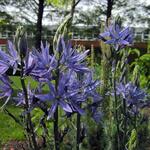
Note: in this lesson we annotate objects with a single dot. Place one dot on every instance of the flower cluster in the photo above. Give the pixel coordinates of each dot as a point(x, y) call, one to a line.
point(134, 97)
point(74, 79)
point(69, 79)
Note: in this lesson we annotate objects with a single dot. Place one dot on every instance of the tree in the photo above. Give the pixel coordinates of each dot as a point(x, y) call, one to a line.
point(5, 18)
point(109, 11)
point(102, 10)
point(65, 26)
point(131, 13)
point(36, 7)
point(32, 12)
point(144, 16)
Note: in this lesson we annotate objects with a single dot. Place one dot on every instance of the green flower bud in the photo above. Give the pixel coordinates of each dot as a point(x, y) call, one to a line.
point(21, 41)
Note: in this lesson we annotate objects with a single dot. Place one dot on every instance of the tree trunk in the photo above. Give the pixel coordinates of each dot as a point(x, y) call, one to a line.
point(109, 11)
point(38, 36)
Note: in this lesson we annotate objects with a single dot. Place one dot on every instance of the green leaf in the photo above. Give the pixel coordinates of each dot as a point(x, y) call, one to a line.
point(134, 51)
point(145, 57)
point(59, 3)
point(132, 143)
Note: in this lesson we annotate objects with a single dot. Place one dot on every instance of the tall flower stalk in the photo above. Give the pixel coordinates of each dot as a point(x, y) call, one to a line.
point(128, 98)
point(60, 72)
point(22, 48)
point(56, 130)
point(118, 38)
point(125, 124)
point(67, 90)
point(116, 104)
point(78, 135)
point(29, 124)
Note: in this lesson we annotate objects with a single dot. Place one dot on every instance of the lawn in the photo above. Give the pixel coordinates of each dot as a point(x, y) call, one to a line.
point(9, 129)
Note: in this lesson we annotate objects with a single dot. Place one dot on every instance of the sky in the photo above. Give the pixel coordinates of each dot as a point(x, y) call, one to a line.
point(144, 1)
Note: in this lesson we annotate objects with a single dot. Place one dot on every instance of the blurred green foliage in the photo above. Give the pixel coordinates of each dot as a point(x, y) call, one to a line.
point(141, 66)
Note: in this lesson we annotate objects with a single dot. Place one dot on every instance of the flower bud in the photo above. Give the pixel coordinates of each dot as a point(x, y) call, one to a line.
point(21, 41)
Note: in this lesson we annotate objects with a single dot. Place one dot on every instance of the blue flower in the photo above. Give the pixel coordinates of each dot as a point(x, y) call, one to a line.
point(5, 88)
point(40, 64)
point(11, 59)
point(57, 96)
point(70, 93)
point(135, 97)
point(95, 112)
point(85, 86)
point(3, 67)
point(71, 58)
point(20, 99)
point(30, 63)
point(117, 36)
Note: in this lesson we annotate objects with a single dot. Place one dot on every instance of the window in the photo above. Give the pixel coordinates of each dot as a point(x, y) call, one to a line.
point(4, 35)
point(3, 47)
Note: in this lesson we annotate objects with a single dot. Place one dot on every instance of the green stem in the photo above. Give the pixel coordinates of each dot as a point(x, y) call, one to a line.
point(125, 125)
point(29, 129)
point(13, 117)
point(78, 131)
point(135, 122)
point(116, 106)
point(56, 132)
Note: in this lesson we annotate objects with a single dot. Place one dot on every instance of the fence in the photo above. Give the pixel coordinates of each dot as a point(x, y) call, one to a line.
point(138, 37)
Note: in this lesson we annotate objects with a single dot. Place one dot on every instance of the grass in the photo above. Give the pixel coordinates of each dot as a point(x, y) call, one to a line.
point(9, 129)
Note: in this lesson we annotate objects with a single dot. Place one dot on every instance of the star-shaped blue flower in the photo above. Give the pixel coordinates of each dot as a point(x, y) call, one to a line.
point(117, 37)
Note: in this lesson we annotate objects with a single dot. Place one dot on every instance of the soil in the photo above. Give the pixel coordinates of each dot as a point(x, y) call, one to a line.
point(15, 145)
point(18, 145)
